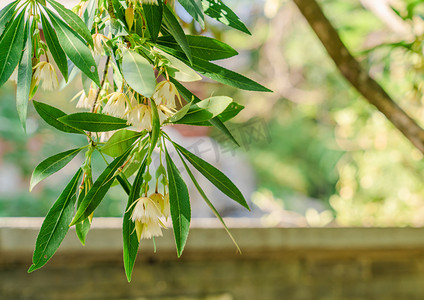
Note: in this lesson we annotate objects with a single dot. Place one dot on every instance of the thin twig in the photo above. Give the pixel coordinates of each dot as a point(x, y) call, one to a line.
point(93, 109)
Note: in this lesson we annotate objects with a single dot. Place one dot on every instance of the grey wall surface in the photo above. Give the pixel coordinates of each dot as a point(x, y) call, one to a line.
point(277, 263)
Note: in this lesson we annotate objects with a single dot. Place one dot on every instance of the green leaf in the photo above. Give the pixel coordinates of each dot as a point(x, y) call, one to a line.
point(75, 22)
point(83, 227)
point(11, 44)
point(180, 114)
point(194, 8)
point(131, 242)
point(208, 202)
point(51, 115)
point(89, 13)
point(93, 122)
point(99, 189)
point(24, 78)
point(206, 109)
point(138, 73)
point(179, 70)
point(120, 142)
point(190, 97)
point(153, 15)
point(6, 15)
point(179, 203)
point(58, 54)
point(218, 73)
point(230, 112)
point(55, 225)
point(82, 230)
point(51, 165)
point(217, 10)
point(222, 182)
point(75, 49)
point(201, 46)
point(154, 135)
point(175, 29)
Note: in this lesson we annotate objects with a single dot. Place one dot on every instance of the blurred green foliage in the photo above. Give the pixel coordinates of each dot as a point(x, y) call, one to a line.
point(328, 144)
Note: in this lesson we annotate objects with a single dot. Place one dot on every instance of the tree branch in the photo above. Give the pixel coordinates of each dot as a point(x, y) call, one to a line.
point(357, 76)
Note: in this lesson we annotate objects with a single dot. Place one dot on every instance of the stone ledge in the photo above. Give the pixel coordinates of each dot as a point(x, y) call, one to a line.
point(207, 235)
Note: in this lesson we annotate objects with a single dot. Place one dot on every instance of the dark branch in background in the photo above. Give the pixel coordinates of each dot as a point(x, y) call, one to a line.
point(357, 76)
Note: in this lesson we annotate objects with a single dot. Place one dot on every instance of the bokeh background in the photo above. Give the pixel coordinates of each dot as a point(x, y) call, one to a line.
point(314, 152)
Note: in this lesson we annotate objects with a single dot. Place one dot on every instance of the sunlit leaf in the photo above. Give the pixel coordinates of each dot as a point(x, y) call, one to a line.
point(138, 73)
point(24, 78)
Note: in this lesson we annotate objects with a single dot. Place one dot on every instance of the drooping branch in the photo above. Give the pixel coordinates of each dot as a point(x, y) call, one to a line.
point(357, 75)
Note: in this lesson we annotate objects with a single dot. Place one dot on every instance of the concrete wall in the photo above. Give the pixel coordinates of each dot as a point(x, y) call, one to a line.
point(277, 263)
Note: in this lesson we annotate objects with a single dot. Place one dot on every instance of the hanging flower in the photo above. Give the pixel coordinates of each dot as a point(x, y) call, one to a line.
point(86, 101)
point(162, 202)
point(44, 71)
point(146, 216)
point(165, 93)
point(164, 113)
point(116, 105)
point(140, 116)
point(99, 41)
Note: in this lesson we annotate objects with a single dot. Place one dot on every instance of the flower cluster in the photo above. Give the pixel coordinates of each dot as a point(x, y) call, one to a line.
point(137, 113)
point(147, 215)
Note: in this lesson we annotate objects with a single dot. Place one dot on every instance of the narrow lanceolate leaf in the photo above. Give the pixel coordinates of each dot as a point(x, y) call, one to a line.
point(180, 205)
point(89, 13)
point(201, 47)
point(194, 8)
point(222, 182)
point(153, 15)
point(218, 73)
point(93, 122)
point(58, 54)
point(11, 44)
point(6, 15)
point(24, 78)
point(129, 235)
point(51, 165)
point(55, 225)
point(175, 29)
point(138, 73)
point(180, 114)
point(120, 142)
point(190, 97)
point(208, 202)
point(179, 70)
point(206, 109)
point(154, 135)
point(75, 49)
point(82, 228)
point(217, 10)
point(51, 115)
point(75, 22)
point(99, 189)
